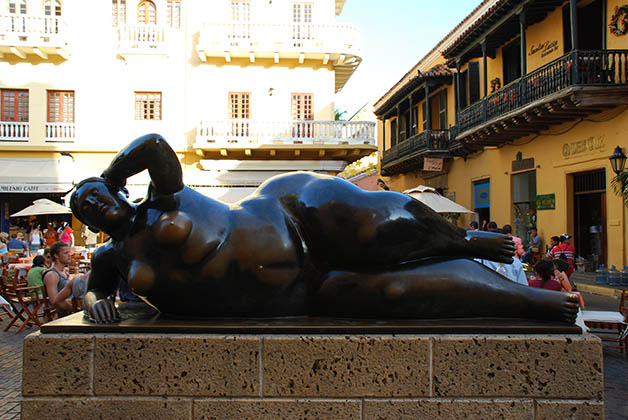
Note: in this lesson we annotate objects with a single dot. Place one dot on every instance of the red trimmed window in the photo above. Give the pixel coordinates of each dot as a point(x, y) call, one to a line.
point(302, 106)
point(239, 105)
point(60, 106)
point(14, 104)
point(148, 105)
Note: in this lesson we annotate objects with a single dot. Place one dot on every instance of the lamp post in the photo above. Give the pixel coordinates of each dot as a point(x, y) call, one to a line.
point(618, 162)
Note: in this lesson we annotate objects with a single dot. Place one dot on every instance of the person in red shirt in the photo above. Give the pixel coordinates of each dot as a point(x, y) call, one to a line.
point(564, 250)
point(544, 279)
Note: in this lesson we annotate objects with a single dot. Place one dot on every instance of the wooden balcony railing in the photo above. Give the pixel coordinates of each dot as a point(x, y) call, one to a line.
point(247, 133)
point(13, 131)
point(425, 141)
point(591, 68)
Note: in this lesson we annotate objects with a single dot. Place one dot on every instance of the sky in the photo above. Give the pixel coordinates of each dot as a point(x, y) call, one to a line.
point(395, 35)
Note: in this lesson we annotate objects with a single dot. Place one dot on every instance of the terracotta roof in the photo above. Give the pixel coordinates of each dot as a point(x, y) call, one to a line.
point(436, 72)
point(408, 76)
point(480, 20)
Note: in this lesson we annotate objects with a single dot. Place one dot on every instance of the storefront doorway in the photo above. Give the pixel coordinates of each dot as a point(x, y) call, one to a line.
point(590, 217)
point(524, 204)
point(482, 201)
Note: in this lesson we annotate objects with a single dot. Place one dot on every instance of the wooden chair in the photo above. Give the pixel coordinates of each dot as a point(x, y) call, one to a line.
point(25, 301)
point(612, 331)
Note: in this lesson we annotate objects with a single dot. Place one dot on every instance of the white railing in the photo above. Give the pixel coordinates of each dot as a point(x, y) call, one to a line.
point(142, 36)
point(60, 131)
point(27, 29)
point(302, 37)
point(14, 131)
point(242, 133)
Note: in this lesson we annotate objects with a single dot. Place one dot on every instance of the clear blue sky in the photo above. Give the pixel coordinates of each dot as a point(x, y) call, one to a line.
point(395, 35)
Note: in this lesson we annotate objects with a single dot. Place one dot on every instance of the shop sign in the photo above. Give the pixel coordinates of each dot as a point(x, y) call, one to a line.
point(522, 164)
point(34, 188)
point(590, 144)
point(433, 164)
point(545, 48)
point(546, 202)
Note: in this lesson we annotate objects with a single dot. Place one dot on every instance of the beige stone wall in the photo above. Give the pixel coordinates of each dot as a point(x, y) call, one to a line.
point(132, 376)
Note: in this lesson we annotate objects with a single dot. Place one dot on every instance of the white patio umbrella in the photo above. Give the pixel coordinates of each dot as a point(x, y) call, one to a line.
point(432, 199)
point(42, 206)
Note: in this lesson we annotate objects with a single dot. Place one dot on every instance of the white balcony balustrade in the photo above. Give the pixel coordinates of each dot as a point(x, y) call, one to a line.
point(60, 132)
point(142, 39)
point(337, 45)
point(22, 35)
point(13, 131)
point(250, 133)
point(277, 37)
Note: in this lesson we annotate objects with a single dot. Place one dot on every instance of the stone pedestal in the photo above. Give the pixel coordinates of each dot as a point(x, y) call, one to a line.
point(363, 377)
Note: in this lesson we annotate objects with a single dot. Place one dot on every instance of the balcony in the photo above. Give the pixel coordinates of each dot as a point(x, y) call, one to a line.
point(142, 39)
point(337, 45)
point(60, 132)
point(409, 154)
point(576, 85)
point(13, 131)
point(286, 139)
point(26, 35)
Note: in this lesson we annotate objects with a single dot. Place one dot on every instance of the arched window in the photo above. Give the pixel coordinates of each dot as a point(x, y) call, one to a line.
point(52, 7)
point(146, 12)
point(17, 6)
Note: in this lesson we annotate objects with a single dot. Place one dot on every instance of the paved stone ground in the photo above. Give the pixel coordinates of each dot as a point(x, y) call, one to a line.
point(615, 377)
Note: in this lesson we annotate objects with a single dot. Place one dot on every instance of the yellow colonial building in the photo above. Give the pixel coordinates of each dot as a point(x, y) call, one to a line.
point(242, 90)
point(514, 114)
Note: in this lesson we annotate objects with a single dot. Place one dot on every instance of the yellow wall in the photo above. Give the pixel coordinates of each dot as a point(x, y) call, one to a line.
point(614, 42)
point(545, 40)
point(553, 169)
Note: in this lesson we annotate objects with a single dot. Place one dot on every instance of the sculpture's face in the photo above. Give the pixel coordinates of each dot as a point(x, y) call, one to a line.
point(103, 207)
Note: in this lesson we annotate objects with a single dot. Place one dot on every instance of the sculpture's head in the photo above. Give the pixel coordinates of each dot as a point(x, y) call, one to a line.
point(102, 206)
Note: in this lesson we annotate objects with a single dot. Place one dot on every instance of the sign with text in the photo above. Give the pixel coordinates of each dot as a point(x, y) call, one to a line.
point(522, 164)
point(546, 202)
point(590, 144)
point(35, 188)
point(433, 164)
point(545, 48)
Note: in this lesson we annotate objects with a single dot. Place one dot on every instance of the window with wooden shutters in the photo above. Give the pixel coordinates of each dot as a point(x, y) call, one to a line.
point(173, 11)
point(148, 105)
point(302, 106)
point(240, 10)
point(60, 106)
point(146, 13)
point(424, 115)
point(52, 8)
point(463, 94)
point(118, 12)
point(239, 105)
point(442, 109)
point(14, 105)
point(17, 6)
point(474, 82)
point(393, 133)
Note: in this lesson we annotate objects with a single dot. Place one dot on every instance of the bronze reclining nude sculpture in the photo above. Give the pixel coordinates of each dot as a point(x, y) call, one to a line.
point(302, 244)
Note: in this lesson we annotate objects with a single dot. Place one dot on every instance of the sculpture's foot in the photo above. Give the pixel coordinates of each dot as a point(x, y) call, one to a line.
point(490, 246)
point(562, 307)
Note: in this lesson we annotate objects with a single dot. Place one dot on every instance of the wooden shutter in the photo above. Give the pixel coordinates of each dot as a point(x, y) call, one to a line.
point(118, 12)
point(148, 105)
point(14, 105)
point(442, 109)
point(474, 82)
point(173, 9)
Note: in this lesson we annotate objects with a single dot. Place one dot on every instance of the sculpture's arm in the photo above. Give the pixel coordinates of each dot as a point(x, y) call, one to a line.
point(150, 152)
point(103, 282)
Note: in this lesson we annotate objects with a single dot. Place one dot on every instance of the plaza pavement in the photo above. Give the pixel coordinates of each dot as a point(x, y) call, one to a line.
point(615, 377)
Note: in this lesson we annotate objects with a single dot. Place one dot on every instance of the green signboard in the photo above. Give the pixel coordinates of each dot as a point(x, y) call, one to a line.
point(546, 202)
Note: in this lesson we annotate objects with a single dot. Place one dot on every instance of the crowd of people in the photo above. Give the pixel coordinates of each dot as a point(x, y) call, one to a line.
point(35, 238)
point(551, 270)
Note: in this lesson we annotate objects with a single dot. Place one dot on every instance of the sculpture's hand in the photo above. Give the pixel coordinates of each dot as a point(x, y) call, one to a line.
point(103, 311)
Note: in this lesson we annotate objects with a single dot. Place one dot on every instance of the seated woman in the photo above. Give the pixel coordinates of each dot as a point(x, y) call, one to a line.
point(283, 250)
point(543, 271)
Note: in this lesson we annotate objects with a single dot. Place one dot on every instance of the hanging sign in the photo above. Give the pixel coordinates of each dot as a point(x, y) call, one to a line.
point(433, 164)
point(546, 202)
